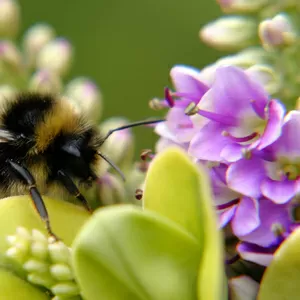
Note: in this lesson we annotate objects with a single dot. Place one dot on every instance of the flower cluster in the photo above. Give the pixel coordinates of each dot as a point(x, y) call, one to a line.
point(250, 147)
point(265, 35)
point(47, 263)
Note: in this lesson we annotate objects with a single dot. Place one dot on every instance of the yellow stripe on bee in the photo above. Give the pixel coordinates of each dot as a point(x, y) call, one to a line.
point(60, 118)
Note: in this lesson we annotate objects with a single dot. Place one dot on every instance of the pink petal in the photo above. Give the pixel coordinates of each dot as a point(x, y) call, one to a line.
point(232, 152)
point(245, 176)
point(180, 125)
point(226, 215)
point(185, 81)
point(288, 145)
point(208, 142)
point(246, 217)
point(279, 191)
point(234, 92)
point(274, 124)
point(255, 254)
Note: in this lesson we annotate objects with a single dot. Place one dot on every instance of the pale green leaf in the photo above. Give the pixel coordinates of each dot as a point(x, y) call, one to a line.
point(281, 280)
point(14, 288)
point(65, 218)
point(173, 189)
point(125, 253)
point(179, 190)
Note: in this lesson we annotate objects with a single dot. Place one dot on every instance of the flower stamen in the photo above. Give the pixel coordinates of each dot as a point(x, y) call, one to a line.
point(168, 97)
point(225, 120)
point(246, 138)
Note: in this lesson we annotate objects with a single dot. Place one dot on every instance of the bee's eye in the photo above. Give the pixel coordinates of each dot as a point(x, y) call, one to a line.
point(71, 149)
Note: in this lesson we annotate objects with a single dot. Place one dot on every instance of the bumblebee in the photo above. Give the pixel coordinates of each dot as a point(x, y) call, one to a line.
point(46, 146)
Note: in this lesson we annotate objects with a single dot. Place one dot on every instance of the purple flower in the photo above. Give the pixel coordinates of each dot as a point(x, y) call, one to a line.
point(240, 117)
point(179, 127)
point(249, 148)
point(274, 172)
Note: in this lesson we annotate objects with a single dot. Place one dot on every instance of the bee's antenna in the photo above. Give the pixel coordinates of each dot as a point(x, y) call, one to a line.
point(138, 123)
point(111, 164)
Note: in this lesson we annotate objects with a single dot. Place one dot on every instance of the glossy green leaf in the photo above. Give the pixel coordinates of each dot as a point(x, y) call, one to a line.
point(66, 218)
point(282, 278)
point(14, 288)
point(123, 252)
point(179, 190)
point(172, 189)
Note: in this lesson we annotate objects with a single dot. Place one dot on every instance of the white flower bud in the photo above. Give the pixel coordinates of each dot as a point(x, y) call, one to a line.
point(277, 32)
point(10, 58)
point(242, 6)
point(9, 18)
point(38, 236)
point(43, 279)
point(61, 272)
point(65, 289)
point(120, 145)
point(7, 92)
point(267, 76)
point(34, 265)
point(86, 97)
point(35, 38)
point(230, 33)
point(111, 189)
point(59, 252)
point(45, 81)
point(39, 250)
point(56, 56)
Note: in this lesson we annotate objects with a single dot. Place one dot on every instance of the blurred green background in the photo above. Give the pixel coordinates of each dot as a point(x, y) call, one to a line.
point(128, 47)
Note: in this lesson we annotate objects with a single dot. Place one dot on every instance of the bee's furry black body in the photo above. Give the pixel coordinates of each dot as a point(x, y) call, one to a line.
point(45, 135)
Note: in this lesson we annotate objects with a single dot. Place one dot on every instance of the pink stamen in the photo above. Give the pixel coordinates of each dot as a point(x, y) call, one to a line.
point(242, 139)
point(186, 95)
point(225, 120)
point(169, 98)
point(185, 126)
point(228, 204)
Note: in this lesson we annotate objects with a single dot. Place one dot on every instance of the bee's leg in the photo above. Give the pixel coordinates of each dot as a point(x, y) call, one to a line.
point(71, 187)
point(34, 193)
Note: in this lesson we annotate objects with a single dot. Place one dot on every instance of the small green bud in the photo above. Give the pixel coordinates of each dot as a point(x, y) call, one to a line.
point(111, 189)
point(61, 272)
point(10, 58)
point(7, 92)
point(86, 97)
point(39, 250)
point(45, 81)
point(267, 76)
point(9, 18)
point(65, 289)
point(245, 58)
point(230, 33)
point(120, 144)
point(277, 32)
point(16, 254)
point(243, 287)
point(38, 236)
point(43, 279)
point(242, 6)
point(35, 38)
point(59, 252)
point(34, 265)
point(56, 56)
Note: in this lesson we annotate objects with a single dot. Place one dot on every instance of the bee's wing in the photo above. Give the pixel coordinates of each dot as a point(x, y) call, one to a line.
point(6, 136)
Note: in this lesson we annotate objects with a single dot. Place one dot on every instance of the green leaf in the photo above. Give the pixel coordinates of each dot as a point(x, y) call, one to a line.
point(65, 218)
point(282, 278)
point(173, 189)
point(180, 191)
point(13, 288)
point(125, 253)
